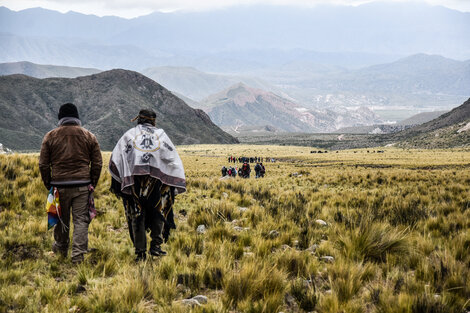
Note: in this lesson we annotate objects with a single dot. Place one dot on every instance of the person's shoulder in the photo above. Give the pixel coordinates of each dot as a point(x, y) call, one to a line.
point(85, 132)
point(50, 134)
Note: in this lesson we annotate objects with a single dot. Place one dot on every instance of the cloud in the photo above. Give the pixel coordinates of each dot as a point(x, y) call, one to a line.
point(126, 8)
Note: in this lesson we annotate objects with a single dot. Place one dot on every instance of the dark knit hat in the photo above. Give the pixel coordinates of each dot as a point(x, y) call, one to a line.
point(68, 110)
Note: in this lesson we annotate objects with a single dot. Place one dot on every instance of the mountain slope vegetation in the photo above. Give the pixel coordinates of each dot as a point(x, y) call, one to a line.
point(106, 102)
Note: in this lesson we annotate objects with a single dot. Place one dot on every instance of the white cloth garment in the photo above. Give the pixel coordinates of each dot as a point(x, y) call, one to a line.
point(147, 150)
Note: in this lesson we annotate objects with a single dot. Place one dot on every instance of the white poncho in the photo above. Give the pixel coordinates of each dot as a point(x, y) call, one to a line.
point(146, 150)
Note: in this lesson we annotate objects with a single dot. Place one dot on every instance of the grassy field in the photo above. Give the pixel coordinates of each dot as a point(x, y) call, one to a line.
point(394, 236)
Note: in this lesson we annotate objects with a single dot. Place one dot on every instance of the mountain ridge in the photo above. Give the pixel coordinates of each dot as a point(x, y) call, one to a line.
point(106, 101)
point(44, 70)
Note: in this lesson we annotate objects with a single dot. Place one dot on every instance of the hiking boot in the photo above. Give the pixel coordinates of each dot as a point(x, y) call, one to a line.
point(157, 252)
point(76, 260)
point(140, 257)
point(58, 251)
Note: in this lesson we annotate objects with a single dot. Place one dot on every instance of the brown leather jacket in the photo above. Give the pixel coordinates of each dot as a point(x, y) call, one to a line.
point(70, 156)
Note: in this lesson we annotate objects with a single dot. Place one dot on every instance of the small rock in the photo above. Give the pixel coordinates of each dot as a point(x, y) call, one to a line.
point(238, 228)
point(285, 247)
point(327, 258)
point(312, 249)
point(328, 291)
point(201, 229)
point(74, 309)
point(248, 254)
point(295, 243)
point(201, 299)
point(242, 209)
point(295, 174)
point(273, 234)
point(321, 222)
point(225, 195)
point(190, 302)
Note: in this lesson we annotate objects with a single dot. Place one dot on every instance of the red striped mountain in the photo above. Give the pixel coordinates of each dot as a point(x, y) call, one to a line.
point(241, 105)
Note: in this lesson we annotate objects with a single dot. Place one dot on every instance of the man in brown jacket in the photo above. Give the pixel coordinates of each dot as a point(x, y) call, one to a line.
point(70, 160)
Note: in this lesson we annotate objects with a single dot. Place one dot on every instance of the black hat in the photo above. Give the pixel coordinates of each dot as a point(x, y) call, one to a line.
point(147, 113)
point(68, 110)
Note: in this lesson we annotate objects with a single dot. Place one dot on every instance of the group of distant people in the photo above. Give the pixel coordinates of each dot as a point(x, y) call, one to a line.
point(232, 159)
point(244, 170)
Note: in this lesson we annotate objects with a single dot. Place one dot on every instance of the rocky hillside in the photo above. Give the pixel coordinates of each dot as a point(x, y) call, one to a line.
point(448, 130)
point(241, 105)
point(458, 115)
point(106, 102)
point(44, 71)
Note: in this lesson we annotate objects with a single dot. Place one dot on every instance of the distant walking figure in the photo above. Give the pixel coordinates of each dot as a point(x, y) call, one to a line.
point(262, 171)
point(257, 170)
point(70, 163)
point(147, 173)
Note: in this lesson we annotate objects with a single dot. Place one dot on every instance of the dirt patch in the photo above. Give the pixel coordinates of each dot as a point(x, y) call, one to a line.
point(374, 165)
point(21, 251)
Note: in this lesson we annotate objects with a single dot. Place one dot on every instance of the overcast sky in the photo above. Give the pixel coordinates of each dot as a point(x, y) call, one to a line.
point(133, 8)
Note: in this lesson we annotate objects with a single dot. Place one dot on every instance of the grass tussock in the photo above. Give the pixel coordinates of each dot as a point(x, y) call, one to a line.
point(393, 237)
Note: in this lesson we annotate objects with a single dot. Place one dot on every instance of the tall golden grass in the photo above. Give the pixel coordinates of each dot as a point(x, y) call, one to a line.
point(398, 232)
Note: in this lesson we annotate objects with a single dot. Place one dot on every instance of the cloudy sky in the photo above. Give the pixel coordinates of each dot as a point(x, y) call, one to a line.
point(133, 8)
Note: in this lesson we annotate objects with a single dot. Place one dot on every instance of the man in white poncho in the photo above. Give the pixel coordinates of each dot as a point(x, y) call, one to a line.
point(147, 173)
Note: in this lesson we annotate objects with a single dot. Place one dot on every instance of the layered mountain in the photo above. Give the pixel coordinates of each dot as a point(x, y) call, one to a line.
point(106, 102)
point(241, 105)
point(419, 81)
point(319, 60)
point(44, 71)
